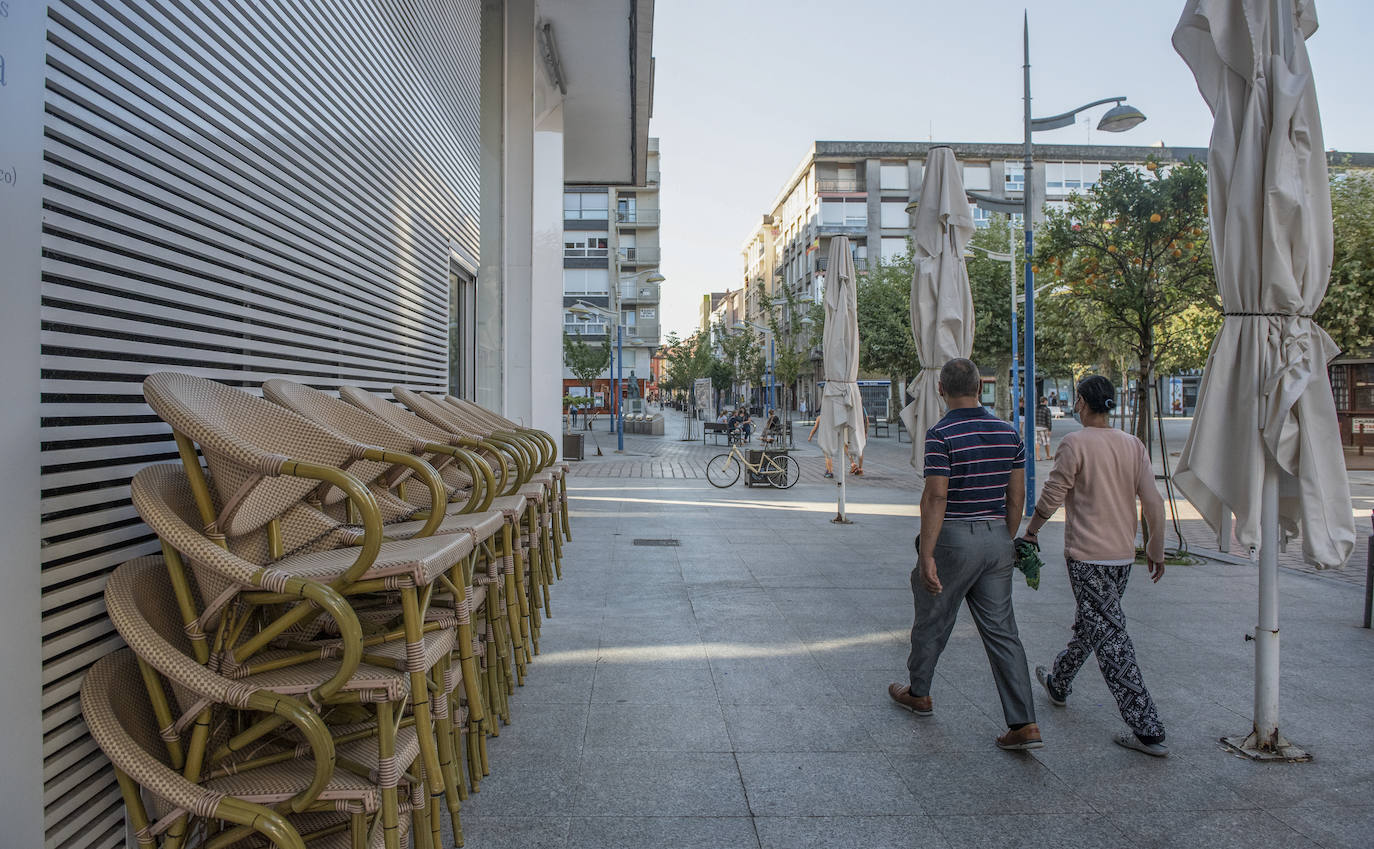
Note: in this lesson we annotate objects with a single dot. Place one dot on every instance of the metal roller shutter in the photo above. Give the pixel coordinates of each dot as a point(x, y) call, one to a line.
point(241, 191)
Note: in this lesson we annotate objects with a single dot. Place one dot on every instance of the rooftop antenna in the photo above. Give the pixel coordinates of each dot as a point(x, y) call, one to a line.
point(930, 131)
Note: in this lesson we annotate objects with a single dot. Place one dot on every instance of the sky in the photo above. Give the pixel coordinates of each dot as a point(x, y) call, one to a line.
point(743, 87)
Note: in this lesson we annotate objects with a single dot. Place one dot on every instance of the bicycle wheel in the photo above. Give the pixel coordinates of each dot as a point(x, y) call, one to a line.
point(786, 474)
point(722, 470)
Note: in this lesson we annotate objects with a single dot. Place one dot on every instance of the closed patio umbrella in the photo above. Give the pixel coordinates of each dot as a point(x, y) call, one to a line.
point(1264, 444)
point(941, 303)
point(841, 406)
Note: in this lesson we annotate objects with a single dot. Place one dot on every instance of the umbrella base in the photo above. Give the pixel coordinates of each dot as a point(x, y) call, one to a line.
point(840, 520)
point(1257, 750)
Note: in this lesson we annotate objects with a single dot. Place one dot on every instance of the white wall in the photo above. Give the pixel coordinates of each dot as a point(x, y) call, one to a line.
point(21, 158)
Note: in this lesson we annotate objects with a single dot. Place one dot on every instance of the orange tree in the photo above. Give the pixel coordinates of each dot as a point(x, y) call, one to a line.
point(1135, 269)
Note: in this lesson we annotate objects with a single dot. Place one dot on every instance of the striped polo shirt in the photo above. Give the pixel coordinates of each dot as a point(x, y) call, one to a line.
point(976, 451)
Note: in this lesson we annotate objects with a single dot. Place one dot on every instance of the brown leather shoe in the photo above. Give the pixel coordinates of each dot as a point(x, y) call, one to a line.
point(919, 705)
point(1025, 737)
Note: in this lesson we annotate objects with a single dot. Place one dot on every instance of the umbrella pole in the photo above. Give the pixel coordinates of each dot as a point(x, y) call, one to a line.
point(840, 518)
point(1265, 742)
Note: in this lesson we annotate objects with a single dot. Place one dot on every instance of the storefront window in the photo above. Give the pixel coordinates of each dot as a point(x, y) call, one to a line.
point(1362, 381)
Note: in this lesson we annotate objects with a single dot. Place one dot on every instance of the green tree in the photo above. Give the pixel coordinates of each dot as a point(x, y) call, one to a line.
point(586, 362)
point(1134, 267)
point(990, 284)
point(788, 324)
point(883, 305)
point(1346, 313)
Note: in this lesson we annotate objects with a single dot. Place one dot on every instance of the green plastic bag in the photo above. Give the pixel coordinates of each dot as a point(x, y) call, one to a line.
point(1029, 562)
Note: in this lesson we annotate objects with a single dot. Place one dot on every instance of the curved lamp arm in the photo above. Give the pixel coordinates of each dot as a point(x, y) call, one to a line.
point(1064, 119)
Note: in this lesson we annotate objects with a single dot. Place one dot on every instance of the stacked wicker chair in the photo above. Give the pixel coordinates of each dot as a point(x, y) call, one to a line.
point(348, 593)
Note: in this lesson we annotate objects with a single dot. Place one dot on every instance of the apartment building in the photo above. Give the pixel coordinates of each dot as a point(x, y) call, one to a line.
point(611, 268)
point(861, 190)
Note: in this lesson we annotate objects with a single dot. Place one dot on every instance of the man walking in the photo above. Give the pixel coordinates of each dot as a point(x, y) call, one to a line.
point(1043, 422)
point(970, 512)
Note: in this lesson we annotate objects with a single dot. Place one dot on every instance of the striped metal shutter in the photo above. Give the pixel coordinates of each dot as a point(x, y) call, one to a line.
point(241, 191)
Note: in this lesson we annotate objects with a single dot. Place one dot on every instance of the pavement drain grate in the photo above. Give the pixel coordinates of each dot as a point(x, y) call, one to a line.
point(659, 542)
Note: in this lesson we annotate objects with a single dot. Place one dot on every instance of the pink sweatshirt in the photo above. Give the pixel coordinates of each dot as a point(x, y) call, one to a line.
point(1098, 474)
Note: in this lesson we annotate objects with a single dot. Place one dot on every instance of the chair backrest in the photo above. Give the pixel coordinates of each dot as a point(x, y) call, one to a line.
point(412, 425)
point(437, 414)
point(245, 441)
point(164, 499)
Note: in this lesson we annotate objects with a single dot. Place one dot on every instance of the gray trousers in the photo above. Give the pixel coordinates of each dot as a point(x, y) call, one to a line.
point(974, 562)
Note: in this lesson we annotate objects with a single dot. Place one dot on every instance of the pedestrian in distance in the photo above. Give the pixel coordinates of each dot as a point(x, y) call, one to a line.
point(1098, 476)
point(1043, 423)
point(970, 512)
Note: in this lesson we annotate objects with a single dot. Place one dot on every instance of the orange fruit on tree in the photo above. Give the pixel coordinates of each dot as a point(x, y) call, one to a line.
point(1111, 249)
point(1155, 218)
point(1151, 166)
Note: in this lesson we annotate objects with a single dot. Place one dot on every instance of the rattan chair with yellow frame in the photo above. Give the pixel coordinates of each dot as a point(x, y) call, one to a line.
point(305, 767)
point(269, 477)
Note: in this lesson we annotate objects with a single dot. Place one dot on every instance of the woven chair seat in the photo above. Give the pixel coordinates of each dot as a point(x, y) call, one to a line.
point(306, 823)
point(419, 560)
point(279, 782)
point(371, 683)
point(367, 752)
point(535, 492)
point(510, 505)
point(546, 477)
point(482, 526)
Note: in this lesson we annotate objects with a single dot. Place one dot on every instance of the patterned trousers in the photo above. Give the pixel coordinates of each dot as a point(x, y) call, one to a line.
point(1099, 627)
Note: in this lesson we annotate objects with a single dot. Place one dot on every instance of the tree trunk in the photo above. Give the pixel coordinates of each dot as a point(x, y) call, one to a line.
point(1002, 405)
point(1142, 399)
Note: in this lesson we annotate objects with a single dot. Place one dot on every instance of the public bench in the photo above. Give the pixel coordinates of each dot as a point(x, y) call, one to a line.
point(716, 430)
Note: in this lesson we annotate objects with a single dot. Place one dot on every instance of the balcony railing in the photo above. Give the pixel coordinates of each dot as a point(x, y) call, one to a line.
point(651, 177)
point(836, 186)
point(849, 227)
point(585, 328)
point(638, 292)
point(637, 217)
point(638, 256)
point(586, 253)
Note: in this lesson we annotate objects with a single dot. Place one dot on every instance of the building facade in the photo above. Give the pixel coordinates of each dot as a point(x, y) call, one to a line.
point(861, 190)
point(611, 268)
point(338, 193)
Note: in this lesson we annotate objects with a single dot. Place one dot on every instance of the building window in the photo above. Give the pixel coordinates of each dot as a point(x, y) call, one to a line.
point(582, 245)
point(1362, 378)
point(648, 313)
point(982, 219)
point(585, 206)
point(586, 281)
point(1340, 386)
point(893, 248)
point(851, 212)
point(894, 215)
point(893, 177)
point(978, 177)
point(1015, 176)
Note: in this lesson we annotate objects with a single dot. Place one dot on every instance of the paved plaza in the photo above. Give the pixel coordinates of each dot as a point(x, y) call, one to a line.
point(726, 687)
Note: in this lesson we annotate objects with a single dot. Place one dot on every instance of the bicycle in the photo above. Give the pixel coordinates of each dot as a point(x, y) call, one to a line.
point(777, 470)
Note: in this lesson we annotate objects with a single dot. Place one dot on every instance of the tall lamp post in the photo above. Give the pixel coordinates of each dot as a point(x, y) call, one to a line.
point(1118, 119)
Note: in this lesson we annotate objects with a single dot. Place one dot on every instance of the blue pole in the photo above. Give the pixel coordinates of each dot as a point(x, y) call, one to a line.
point(620, 387)
point(1028, 192)
point(1015, 354)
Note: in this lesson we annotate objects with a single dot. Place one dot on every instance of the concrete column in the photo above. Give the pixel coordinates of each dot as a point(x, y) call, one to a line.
point(518, 204)
point(546, 320)
point(22, 44)
point(490, 304)
point(873, 181)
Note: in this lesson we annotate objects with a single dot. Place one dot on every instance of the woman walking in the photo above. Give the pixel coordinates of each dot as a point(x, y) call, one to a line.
point(1098, 474)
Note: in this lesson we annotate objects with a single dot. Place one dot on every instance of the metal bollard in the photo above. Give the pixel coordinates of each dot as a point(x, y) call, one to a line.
point(1369, 578)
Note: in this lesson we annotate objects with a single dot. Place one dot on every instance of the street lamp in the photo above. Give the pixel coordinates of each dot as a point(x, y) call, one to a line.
point(1118, 119)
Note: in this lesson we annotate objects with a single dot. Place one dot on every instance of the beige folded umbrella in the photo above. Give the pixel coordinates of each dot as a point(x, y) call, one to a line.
point(941, 302)
point(1264, 444)
point(842, 423)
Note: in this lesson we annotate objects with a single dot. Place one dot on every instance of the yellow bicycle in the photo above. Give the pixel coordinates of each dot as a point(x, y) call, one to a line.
point(777, 470)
